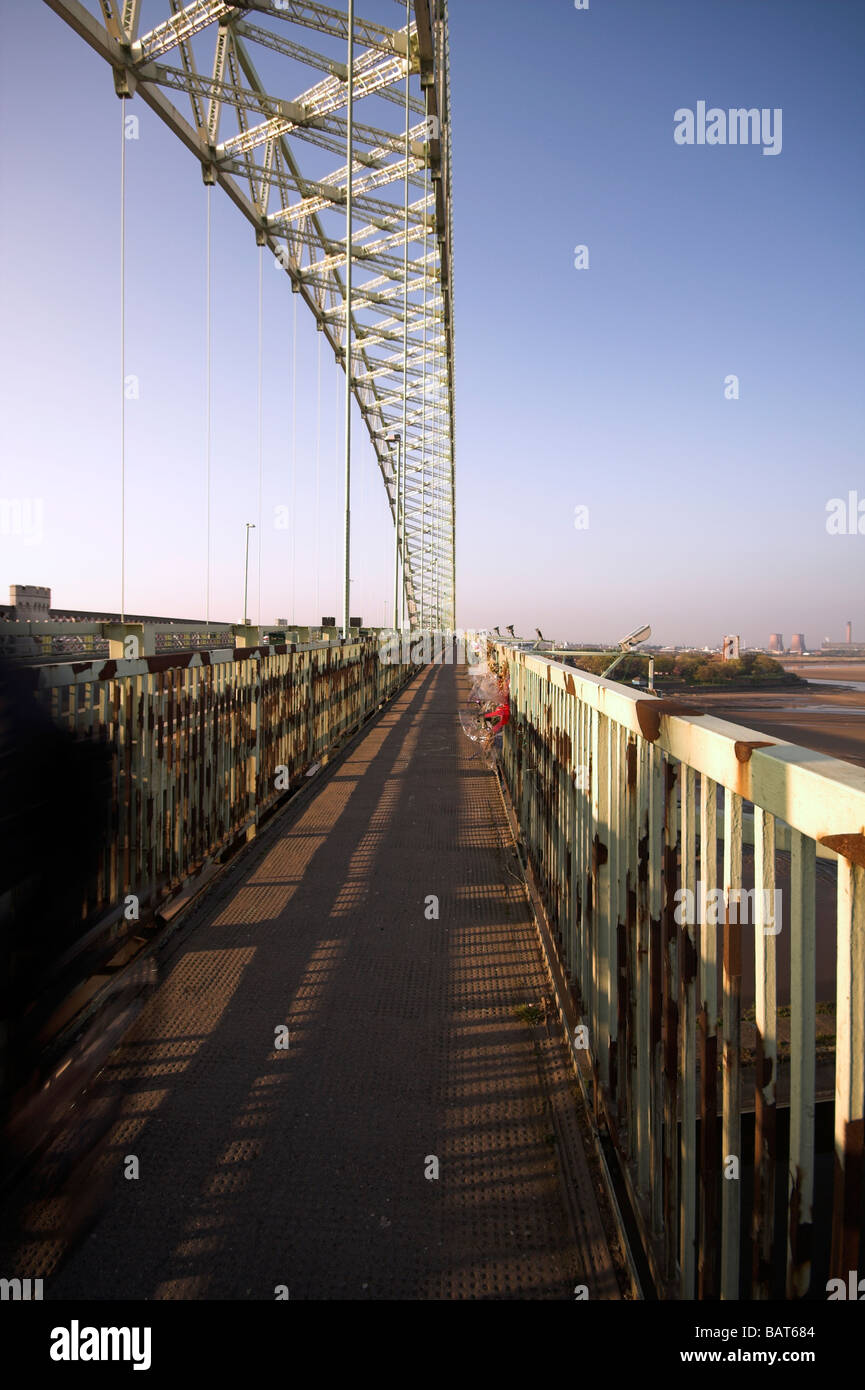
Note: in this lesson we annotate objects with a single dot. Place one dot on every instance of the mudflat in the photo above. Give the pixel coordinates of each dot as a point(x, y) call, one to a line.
point(826, 718)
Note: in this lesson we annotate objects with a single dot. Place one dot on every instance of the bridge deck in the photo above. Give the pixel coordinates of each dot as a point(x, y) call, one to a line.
point(305, 1167)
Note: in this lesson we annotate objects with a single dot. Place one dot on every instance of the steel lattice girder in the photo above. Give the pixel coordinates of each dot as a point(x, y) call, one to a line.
point(244, 137)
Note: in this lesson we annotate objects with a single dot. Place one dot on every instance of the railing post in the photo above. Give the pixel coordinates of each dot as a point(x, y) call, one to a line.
point(628, 983)
point(688, 1006)
point(574, 794)
point(312, 658)
point(803, 971)
point(656, 975)
point(642, 1039)
point(766, 1051)
point(254, 665)
point(671, 1022)
point(618, 1062)
point(708, 1035)
point(849, 1069)
point(731, 1200)
point(600, 915)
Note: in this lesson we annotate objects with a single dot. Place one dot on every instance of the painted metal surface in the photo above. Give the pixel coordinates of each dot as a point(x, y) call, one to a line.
point(627, 806)
point(357, 215)
point(206, 744)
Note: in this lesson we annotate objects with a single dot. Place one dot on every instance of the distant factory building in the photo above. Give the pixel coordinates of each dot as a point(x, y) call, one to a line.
point(730, 648)
point(776, 642)
point(797, 645)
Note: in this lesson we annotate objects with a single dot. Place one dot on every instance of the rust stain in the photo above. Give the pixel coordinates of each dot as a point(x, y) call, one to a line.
point(670, 774)
point(732, 949)
point(671, 1041)
point(631, 755)
point(764, 1172)
point(850, 847)
point(169, 661)
point(643, 858)
point(649, 715)
point(847, 1196)
point(599, 855)
point(649, 719)
point(744, 750)
point(709, 1246)
point(655, 982)
point(689, 955)
point(570, 687)
point(801, 1237)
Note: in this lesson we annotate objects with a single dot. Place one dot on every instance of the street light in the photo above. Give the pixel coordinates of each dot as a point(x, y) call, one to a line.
point(628, 645)
point(250, 526)
point(396, 438)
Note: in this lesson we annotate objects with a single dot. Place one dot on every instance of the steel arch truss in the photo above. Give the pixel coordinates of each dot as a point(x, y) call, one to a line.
point(282, 161)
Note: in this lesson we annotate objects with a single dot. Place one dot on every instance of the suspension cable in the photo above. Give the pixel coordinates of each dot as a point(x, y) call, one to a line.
point(318, 488)
point(336, 455)
point(123, 359)
point(349, 195)
point(402, 508)
point(293, 456)
point(208, 430)
point(423, 418)
point(260, 417)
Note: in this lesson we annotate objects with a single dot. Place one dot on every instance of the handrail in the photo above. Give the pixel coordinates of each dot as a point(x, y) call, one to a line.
point(206, 744)
point(631, 810)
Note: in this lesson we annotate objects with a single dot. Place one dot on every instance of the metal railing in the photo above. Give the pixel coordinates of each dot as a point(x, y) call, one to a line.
point(205, 745)
point(40, 641)
point(634, 812)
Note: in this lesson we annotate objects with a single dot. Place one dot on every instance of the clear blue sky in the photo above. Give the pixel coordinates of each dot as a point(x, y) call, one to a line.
point(601, 388)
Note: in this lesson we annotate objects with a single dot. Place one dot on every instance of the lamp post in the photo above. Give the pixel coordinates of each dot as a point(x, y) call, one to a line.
point(250, 526)
point(349, 195)
point(397, 440)
point(627, 646)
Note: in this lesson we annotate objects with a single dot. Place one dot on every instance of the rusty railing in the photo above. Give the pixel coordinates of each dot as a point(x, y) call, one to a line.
point(652, 832)
point(206, 744)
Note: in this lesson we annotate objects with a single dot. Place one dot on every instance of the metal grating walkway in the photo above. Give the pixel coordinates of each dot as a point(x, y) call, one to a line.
point(408, 1040)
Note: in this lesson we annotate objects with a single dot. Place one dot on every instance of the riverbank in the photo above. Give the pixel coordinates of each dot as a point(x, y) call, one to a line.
point(826, 718)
